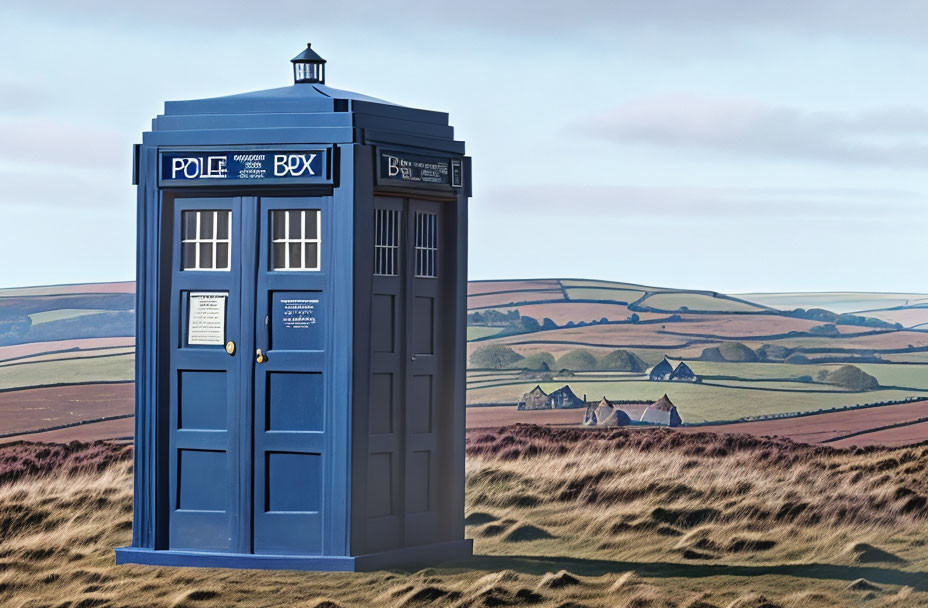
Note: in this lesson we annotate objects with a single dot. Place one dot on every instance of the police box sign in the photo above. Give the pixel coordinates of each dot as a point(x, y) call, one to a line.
point(227, 167)
point(418, 170)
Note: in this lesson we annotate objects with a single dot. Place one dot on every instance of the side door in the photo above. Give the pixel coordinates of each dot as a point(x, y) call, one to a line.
point(424, 378)
point(205, 369)
point(292, 380)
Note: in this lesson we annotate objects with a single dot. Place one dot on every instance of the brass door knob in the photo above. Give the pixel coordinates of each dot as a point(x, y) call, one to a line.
point(260, 357)
point(230, 347)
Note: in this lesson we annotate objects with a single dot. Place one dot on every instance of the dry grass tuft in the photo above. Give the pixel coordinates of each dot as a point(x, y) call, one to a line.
point(572, 519)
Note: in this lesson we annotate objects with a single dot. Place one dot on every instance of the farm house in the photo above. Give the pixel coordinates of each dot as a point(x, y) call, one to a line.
point(662, 412)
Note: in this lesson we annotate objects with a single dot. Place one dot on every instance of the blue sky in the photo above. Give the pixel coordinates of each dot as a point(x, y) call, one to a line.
point(762, 146)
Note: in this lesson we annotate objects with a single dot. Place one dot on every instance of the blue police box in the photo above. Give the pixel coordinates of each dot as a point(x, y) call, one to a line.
point(302, 263)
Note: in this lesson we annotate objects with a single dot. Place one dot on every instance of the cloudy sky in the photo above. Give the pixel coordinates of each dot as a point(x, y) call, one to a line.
point(718, 144)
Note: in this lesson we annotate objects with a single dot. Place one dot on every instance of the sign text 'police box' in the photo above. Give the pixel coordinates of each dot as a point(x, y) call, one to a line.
point(241, 167)
point(418, 170)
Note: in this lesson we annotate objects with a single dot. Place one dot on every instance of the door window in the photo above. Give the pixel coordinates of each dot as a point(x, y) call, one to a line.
point(426, 245)
point(206, 240)
point(386, 242)
point(296, 239)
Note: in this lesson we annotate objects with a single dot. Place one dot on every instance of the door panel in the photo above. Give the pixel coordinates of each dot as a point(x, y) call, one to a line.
point(385, 499)
point(424, 377)
point(205, 393)
point(291, 387)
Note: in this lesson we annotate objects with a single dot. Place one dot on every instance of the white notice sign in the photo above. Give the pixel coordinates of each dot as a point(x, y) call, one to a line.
point(207, 318)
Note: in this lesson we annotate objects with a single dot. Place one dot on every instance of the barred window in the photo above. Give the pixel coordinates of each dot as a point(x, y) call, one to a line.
point(386, 242)
point(296, 239)
point(205, 240)
point(426, 245)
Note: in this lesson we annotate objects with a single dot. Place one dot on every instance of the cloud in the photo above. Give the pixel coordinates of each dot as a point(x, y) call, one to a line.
point(708, 204)
point(47, 143)
point(23, 98)
point(889, 136)
point(901, 19)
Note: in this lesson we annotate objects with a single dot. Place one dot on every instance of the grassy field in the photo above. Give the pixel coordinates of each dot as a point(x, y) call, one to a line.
point(62, 313)
point(68, 371)
point(732, 388)
point(726, 400)
point(560, 519)
point(477, 332)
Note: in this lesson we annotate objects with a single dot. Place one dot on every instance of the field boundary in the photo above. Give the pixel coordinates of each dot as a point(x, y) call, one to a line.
point(66, 426)
point(61, 384)
point(877, 429)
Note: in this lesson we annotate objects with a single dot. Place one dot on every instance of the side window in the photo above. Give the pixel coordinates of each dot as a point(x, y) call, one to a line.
point(386, 242)
point(296, 239)
point(205, 240)
point(426, 245)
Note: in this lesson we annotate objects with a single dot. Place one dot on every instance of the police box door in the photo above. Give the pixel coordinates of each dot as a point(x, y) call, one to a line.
point(292, 379)
point(248, 381)
point(204, 457)
point(409, 378)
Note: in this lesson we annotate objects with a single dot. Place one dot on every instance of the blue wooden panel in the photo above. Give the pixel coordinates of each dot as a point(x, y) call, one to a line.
point(295, 401)
point(293, 390)
point(202, 480)
point(380, 484)
point(294, 482)
point(297, 320)
point(382, 405)
point(203, 400)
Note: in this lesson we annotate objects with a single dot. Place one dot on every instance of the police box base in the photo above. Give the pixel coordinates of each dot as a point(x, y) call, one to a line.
point(423, 555)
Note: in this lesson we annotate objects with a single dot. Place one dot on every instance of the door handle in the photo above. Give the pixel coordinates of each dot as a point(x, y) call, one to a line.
point(230, 347)
point(260, 357)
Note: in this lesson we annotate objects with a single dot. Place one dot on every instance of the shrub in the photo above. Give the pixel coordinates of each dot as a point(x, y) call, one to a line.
point(736, 351)
point(797, 359)
point(853, 378)
point(540, 361)
point(622, 360)
point(711, 354)
point(824, 330)
point(577, 359)
point(494, 356)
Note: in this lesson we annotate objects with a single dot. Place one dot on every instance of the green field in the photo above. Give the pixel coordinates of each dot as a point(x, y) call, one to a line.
point(475, 332)
point(604, 294)
point(61, 313)
point(696, 301)
point(68, 371)
point(701, 402)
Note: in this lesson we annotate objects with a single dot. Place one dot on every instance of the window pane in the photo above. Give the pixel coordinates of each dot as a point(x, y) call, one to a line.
point(312, 256)
point(294, 224)
point(222, 255)
point(206, 224)
point(222, 228)
point(312, 219)
point(295, 256)
point(189, 256)
point(277, 219)
point(280, 256)
point(206, 256)
point(190, 224)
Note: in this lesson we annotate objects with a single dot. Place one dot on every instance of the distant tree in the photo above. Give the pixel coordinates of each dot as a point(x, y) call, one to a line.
point(529, 324)
point(547, 323)
point(577, 360)
point(622, 360)
point(736, 351)
point(633, 318)
point(494, 356)
point(853, 378)
point(797, 359)
point(822, 375)
point(711, 354)
point(540, 361)
point(475, 318)
point(604, 320)
point(828, 329)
